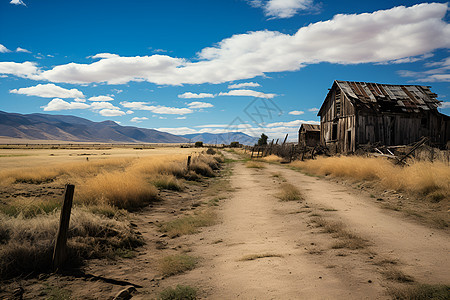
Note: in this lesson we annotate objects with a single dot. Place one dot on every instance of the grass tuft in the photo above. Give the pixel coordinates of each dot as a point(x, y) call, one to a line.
point(289, 193)
point(421, 292)
point(176, 264)
point(188, 224)
point(181, 292)
point(167, 182)
point(254, 165)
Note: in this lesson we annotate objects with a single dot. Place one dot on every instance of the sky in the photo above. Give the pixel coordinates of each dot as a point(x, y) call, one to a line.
point(261, 66)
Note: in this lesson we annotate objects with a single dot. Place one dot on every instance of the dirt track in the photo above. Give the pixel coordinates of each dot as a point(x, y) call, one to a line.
point(254, 221)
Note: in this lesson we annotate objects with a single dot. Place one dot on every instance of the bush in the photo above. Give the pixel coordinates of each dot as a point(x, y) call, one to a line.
point(198, 144)
point(181, 292)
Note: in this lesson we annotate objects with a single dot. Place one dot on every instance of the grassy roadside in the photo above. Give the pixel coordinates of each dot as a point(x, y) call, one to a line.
point(100, 225)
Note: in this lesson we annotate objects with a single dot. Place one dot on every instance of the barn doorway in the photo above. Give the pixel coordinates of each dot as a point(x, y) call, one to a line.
point(349, 141)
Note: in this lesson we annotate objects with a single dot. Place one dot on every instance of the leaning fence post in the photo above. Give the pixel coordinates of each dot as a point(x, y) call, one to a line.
point(189, 163)
point(60, 251)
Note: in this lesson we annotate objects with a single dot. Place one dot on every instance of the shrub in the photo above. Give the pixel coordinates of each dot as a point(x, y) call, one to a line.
point(199, 144)
point(176, 264)
point(181, 292)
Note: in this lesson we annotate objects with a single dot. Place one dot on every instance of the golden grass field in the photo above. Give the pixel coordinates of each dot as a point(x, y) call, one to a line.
point(430, 179)
point(107, 184)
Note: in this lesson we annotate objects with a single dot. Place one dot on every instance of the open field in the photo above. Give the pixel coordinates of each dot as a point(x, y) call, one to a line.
point(240, 228)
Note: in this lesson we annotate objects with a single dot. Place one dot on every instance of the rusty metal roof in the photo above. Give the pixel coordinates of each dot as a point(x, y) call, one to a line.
point(310, 127)
point(389, 97)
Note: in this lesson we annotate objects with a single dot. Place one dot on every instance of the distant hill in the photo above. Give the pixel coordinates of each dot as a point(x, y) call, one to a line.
point(221, 138)
point(71, 128)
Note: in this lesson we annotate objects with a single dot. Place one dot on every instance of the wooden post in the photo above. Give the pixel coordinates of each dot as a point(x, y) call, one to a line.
point(189, 163)
point(60, 251)
point(285, 138)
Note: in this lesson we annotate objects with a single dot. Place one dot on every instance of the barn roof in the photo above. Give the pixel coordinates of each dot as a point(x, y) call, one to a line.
point(310, 127)
point(389, 97)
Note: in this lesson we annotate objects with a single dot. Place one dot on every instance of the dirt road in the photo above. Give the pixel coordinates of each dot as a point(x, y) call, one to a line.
point(267, 249)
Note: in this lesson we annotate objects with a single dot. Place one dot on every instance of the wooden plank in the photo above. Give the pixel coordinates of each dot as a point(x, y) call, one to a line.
point(60, 250)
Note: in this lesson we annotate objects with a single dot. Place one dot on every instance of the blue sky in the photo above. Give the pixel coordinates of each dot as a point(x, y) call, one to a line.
point(212, 66)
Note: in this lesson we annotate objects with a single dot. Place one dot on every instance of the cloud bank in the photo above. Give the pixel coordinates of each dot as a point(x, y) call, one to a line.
point(378, 37)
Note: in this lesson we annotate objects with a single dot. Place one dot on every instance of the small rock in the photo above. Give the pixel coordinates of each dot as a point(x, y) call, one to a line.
point(369, 281)
point(320, 277)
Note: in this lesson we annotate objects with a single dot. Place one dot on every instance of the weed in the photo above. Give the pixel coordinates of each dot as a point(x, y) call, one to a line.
point(254, 165)
point(176, 264)
point(396, 275)
point(167, 182)
point(421, 292)
point(272, 158)
point(289, 193)
point(188, 224)
point(181, 292)
point(56, 293)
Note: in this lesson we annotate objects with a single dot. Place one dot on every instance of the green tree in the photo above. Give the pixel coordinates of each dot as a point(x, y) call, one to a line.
point(263, 140)
point(198, 144)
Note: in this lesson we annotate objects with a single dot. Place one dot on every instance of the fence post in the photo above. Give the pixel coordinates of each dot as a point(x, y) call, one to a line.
point(60, 250)
point(189, 163)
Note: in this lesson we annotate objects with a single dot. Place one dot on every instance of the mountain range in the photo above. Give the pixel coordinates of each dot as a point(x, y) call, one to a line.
point(70, 128)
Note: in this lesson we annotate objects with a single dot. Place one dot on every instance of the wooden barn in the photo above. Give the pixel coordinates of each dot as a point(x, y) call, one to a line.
point(356, 113)
point(309, 135)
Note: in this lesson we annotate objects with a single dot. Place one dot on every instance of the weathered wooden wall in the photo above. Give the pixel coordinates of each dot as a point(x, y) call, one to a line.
point(338, 116)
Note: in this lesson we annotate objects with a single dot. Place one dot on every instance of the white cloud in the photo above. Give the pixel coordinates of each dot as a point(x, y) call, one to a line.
point(3, 49)
point(59, 104)
point(381, 36)
point(101, 98)
point(22, 50)
point(129, 112)
point(244, 84)
point(158, 109)
point(180, 118)
point(445, 105)
point(296, 112)
point(178, 130)
point(273, 130)
point(314, 109)
point(79, 100)
point(25, 70)
point(284, 8)
point(189, 95)
point(104, 55)
point(441, 73)
point(250, 93)
point(48, 91)
point(102, 105)
point(111, 113)
point(138, 119)
point(18, 2)
point(199, 105)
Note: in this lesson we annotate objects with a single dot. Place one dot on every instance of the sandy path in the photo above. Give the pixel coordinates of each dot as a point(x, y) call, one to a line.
point(255, 222)
point(422, 251)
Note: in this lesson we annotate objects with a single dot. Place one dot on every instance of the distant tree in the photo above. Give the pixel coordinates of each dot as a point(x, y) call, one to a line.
point(263, 140)
point(234, 145)
point(198, 144)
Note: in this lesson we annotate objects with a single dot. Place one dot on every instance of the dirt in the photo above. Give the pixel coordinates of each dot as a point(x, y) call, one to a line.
point(291, 257)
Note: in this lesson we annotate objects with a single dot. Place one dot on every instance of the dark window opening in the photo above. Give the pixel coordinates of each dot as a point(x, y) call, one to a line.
point(424, 122)
point(334, 132)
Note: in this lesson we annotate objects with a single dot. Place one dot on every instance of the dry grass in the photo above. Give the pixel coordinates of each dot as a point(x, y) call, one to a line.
point(176, 264)
point(258, 256)
point(188, 224)
point(424, 178)
point(272, 158)
point(167, 182)
point(289, 193)
point(347, 239)
point(120, 189)
point(27, 244)
point(421, 292)
point(180, 292)
point(254, 164)
point(393, 274)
